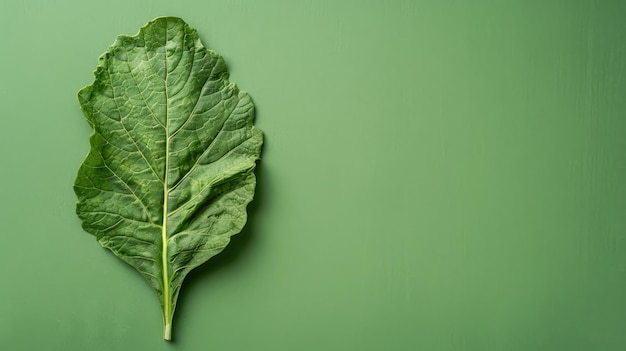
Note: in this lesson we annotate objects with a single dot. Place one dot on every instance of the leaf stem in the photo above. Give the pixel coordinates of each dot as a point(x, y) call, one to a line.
point(167, 331)
point(168, 314)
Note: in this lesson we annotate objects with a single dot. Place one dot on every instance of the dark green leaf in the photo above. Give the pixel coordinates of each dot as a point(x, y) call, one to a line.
point(173, 151)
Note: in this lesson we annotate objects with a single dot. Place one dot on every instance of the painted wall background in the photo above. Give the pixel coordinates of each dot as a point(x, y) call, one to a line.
point(437, 175)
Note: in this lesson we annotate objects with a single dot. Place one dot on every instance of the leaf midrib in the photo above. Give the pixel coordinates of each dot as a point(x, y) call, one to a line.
point(167, 301)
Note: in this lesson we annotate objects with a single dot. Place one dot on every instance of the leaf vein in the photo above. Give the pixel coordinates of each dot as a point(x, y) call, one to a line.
point(147, 212)
point(126, 130)
point(207, 150)
point(141, 91)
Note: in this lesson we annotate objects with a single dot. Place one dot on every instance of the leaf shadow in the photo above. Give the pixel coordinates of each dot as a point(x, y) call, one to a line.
point(237, 247)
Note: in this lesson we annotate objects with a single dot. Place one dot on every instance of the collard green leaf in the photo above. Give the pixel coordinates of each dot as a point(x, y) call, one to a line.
point(173, 150)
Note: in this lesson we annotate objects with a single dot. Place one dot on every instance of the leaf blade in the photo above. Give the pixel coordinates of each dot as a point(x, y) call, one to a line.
point(173, 152)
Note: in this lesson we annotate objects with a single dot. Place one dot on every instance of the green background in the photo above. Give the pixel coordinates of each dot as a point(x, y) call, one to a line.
point(437, 175)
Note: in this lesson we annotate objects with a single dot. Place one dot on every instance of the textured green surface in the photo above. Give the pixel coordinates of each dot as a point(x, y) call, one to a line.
point(171, 165)
point(436, 175)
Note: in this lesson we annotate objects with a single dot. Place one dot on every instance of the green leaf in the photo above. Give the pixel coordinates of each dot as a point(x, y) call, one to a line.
point(173, 151)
